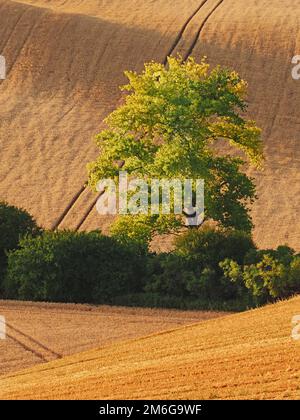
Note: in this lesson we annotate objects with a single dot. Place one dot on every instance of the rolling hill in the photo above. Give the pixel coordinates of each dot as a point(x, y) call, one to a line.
point(66, 60)
point(242, 356)
point(40, 332)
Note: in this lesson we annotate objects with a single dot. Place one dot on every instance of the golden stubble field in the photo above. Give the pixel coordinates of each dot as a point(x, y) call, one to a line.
point(250, 355)
point(65, 63)
point(41, 332)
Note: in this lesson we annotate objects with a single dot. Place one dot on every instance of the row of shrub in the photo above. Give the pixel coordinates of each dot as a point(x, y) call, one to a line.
point(225, 269)
point(208, 269)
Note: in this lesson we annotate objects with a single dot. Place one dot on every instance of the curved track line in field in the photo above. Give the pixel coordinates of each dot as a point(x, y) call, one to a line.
point(68, 208)
point(33, 340)
point(196, 39)
point(181, 32)
point(27, 348)
point(88, 212)
point(172, 49)
point(41, 351)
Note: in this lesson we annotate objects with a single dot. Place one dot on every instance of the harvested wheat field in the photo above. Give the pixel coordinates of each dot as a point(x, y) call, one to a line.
point(66, 59)
point(40, 332)
point(249, 355)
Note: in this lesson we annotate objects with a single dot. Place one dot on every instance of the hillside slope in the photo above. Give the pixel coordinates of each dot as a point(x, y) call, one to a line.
point(64, 71)
point(66, 60)
point(248, 355)
point(41, 332)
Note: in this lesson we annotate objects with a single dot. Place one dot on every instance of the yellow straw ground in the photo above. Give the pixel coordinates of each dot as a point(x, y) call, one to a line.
point(249, 355)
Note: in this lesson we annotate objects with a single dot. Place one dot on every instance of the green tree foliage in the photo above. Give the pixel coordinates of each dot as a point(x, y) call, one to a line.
point(72, 267)
point(209, 246)
point(170, 125)
point(140, 229)
point(268, 274)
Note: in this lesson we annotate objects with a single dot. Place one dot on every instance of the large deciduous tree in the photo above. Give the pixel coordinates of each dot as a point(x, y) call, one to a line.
point(169, 126)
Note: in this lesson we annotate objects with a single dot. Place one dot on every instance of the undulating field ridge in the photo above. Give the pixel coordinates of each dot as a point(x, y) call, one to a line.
point(249, 355)
point(66, 60)
point(40, 332)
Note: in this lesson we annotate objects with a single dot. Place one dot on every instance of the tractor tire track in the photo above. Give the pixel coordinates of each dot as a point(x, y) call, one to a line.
point(30, 344)
point(88, 211)
point(68, 208)
point(198, 34)
point(27, 348)
point(181, 32)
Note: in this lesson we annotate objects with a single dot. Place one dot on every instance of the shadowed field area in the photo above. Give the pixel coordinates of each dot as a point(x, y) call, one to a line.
point(248, 355)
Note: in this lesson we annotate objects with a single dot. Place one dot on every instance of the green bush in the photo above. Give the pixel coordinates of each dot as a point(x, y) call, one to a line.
point(283, 253)
point(193, 270)
point(73, 267)
point(268, 274)
point(209, 246)
point(14, 224)
point(170, 275)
